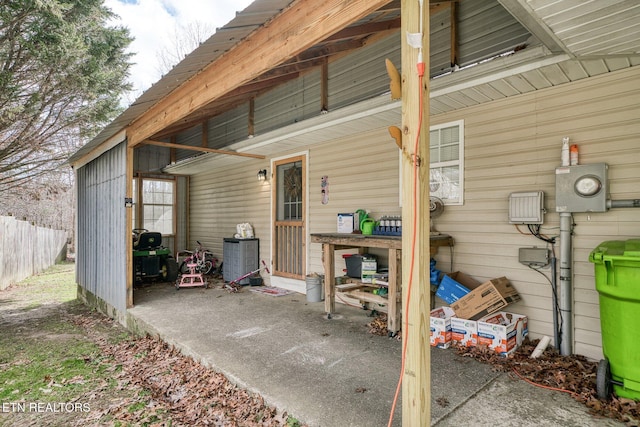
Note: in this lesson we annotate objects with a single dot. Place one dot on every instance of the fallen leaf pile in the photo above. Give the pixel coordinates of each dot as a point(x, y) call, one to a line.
point(378, 326)
point(571, 374)
point(182, 391)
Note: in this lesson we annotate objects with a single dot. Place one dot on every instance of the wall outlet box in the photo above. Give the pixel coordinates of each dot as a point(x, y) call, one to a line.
point(533, 257)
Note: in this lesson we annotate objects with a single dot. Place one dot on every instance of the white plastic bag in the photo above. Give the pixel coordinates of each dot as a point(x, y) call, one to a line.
point(244, 231)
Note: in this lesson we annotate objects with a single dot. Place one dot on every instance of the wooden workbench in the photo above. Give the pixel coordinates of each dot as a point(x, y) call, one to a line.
point(337, 241)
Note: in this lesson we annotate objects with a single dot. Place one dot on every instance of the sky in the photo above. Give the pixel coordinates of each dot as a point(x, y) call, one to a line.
point(152, 22)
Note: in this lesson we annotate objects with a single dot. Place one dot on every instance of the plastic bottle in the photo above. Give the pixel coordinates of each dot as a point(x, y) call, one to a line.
point(565, 151)
point(573, 154)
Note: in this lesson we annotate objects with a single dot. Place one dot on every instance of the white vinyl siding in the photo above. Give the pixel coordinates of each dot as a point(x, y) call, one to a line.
point(224, 197)
point(509, 145)
point(514, 145)
point(368, 179)
point(365, 176)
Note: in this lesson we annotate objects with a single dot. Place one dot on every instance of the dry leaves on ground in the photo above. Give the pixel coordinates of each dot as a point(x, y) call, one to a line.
point(571, 374)
point(181, 389)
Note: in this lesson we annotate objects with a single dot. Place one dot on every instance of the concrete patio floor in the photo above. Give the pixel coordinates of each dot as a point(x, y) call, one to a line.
point(334, 373)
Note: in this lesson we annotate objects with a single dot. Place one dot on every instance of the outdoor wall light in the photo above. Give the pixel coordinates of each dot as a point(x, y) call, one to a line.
point(262, 175)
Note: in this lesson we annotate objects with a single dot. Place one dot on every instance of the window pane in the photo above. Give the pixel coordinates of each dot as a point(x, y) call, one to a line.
point(449, 135)
point(445, 159)
point(445, 183)
point(449, 153)
point(157, 206)
point(289, 181)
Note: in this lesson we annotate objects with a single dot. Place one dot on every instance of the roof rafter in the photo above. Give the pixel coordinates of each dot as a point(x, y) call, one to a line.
point(297, 28)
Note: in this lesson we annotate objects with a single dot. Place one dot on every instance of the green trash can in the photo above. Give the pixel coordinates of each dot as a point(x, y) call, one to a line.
point(617, 274)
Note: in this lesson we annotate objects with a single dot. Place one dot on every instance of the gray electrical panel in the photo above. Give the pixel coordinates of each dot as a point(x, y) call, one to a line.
point(526, 207)
point(534, 257)
point(582, 188)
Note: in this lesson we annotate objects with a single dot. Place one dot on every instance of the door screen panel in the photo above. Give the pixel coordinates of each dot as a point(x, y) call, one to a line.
point(289, 228)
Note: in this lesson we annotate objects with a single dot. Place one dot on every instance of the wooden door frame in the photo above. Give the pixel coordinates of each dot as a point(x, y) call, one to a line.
point(291, 282)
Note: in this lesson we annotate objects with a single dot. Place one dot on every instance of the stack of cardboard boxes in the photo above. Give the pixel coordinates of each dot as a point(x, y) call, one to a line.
point(475, 314)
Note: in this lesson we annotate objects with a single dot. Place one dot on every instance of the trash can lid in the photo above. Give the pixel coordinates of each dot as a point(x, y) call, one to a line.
point(621, 249)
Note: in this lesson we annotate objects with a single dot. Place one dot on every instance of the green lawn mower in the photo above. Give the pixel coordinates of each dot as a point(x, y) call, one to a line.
point(151, 260)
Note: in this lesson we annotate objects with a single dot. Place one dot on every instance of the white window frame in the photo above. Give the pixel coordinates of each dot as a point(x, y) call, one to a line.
point(138, 217)
point(452, 163)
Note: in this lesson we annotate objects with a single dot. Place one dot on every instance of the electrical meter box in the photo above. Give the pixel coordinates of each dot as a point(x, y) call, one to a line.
point(582, 188)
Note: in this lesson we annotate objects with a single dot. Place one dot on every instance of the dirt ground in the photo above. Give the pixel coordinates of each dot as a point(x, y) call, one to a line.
point(64, 365)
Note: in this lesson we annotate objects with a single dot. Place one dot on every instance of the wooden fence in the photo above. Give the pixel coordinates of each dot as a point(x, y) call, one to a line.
point(27, 249)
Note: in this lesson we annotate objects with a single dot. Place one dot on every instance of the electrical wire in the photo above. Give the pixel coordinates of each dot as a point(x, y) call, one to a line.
point(555, 297)
point(534, 229)
point(405, 329)
point(542, 385)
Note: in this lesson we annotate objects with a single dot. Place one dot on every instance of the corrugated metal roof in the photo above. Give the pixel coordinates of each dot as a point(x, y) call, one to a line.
point(570, 40)
point(224, 39)
point(596, 27)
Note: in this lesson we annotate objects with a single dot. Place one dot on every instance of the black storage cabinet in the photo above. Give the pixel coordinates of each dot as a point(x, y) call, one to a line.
point(240, 256)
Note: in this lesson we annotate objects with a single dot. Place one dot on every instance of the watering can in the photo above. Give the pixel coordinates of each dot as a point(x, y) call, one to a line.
point(362, 214)
point(367, 225)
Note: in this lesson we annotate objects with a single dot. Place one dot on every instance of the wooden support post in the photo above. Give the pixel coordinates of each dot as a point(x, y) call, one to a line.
point(328, 251)
point(416, 380)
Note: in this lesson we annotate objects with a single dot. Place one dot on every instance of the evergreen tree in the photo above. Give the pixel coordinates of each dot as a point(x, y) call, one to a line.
point(62, 72)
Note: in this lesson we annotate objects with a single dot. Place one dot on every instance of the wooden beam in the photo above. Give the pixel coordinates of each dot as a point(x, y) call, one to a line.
point(416, 293)
point(172, 151)
point(454, 34)
point(365, 29)
point(205, 134)
point(251, 127)
point(304, 24)
point(324, 86)
point(204, 149)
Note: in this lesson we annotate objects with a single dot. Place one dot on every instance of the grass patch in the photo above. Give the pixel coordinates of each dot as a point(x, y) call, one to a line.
point(56, 351)
point(55, 285)
point(48, 357)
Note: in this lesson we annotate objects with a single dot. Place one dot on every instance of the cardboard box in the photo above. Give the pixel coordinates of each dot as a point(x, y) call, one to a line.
point(490, 297)
point(464, 332)
point(348, 222)
point(454, 286)
point(503, 332)
point(440, 325)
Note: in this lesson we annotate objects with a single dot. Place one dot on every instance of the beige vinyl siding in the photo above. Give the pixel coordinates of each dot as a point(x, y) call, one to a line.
point(363, 174)
point(224, 197)
point(514, 145)
point(363, 177)
point(510, 145)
